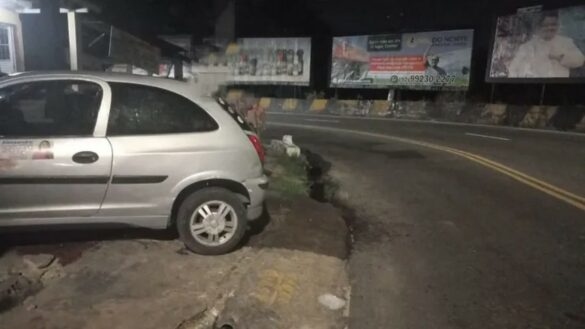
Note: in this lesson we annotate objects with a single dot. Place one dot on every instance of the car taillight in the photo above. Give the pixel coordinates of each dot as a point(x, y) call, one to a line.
point(257, 146)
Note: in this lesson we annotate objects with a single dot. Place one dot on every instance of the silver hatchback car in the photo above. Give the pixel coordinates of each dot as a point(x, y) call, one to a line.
point(92, 148)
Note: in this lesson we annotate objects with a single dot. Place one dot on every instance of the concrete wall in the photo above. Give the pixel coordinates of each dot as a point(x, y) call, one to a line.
point(12, 18)
point(571, 118)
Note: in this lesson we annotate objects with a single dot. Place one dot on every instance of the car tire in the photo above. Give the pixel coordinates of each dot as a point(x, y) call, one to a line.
point(198, 225)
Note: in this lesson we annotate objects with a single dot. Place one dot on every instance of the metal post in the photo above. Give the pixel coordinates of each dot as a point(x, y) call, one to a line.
point(178, 64)
point(73, 54)
point(542, 93)
point(493, 93)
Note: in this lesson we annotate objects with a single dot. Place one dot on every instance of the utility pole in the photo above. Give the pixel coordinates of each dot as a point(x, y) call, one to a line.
point(48, 16)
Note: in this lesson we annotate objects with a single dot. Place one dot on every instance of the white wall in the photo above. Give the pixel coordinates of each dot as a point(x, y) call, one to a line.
point(11, 18)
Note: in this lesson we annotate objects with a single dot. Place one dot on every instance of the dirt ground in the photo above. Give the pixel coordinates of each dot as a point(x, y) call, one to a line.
point(291, 273)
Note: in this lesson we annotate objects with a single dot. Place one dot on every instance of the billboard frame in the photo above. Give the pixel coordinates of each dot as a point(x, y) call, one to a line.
point(515, 81)
point(330, 84)
point(309, 83)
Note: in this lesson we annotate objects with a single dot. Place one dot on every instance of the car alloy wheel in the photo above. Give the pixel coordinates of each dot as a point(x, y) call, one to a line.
point(213, 223)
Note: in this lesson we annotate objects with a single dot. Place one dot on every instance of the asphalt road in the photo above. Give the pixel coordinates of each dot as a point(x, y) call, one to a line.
point(445, 241)
point(557, 158)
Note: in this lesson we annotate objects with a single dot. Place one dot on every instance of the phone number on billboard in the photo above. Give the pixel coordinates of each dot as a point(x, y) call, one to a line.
point(414, 79)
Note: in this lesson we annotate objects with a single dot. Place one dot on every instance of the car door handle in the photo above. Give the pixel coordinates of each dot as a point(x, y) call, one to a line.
point(85, 157)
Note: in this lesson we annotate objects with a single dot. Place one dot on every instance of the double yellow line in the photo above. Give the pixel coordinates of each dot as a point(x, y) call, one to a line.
point(554, 191)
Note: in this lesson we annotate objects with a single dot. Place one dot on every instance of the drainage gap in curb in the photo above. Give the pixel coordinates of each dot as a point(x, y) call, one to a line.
point(323, 188)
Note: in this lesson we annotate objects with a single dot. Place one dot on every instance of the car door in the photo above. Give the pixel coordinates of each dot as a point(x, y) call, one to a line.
point(158, 138)
point(54, 158)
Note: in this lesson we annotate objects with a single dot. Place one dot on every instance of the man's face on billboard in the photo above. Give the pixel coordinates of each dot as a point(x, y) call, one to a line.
point(549, 27)
point(433, 61)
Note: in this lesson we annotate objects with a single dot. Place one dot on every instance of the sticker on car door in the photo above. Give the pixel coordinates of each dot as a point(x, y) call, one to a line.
point(12, 151)
point(16, 150)
point(44, 151)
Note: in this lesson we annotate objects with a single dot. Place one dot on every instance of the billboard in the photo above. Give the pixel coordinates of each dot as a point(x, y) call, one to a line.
point(274, 61)
point(428, 60)
point(546, 46)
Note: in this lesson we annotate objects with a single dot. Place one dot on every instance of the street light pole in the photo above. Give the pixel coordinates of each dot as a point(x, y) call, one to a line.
point(73, 40)
point(72, 28)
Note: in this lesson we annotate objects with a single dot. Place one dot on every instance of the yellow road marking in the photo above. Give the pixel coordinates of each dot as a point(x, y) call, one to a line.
point(554, 191)
point(531, 181)
point(275, 287)
point(530, 178)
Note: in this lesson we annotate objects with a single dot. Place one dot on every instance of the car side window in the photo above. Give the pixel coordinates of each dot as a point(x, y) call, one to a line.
point(144, 110)
point(49, 108)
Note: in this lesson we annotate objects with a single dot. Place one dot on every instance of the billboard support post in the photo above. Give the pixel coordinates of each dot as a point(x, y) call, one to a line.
point(493, 93)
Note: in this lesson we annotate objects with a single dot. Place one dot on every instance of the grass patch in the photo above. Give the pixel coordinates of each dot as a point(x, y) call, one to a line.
point(288, 175)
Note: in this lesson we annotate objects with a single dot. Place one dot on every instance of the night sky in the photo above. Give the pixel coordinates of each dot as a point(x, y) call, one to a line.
point(322, 19)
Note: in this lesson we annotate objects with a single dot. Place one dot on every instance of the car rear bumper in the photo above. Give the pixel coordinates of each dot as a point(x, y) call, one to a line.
point(254, 212)
point(257, 189)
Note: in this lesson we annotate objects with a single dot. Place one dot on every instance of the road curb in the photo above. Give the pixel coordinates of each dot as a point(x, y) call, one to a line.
point(429, 122)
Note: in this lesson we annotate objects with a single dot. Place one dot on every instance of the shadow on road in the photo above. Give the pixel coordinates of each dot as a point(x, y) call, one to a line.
point(258, 226)
point(68, 243)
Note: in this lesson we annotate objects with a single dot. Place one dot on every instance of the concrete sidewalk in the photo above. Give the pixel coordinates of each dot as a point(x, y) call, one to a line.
point(294, 258)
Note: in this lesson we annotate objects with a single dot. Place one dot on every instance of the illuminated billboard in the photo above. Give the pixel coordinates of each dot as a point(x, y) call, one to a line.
point(540, 47)
point(274, 61)
point(428, 60)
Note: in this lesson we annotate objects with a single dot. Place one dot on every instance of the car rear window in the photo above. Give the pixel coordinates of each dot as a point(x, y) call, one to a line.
point(146, 110)
point(234, 114)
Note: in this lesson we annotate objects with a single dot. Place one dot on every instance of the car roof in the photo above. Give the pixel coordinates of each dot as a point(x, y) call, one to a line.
point(188, 90)
point(184, 88)
point(106, 76)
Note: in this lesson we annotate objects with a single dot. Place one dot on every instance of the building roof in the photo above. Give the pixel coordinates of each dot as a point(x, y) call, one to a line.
point(15, 5)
